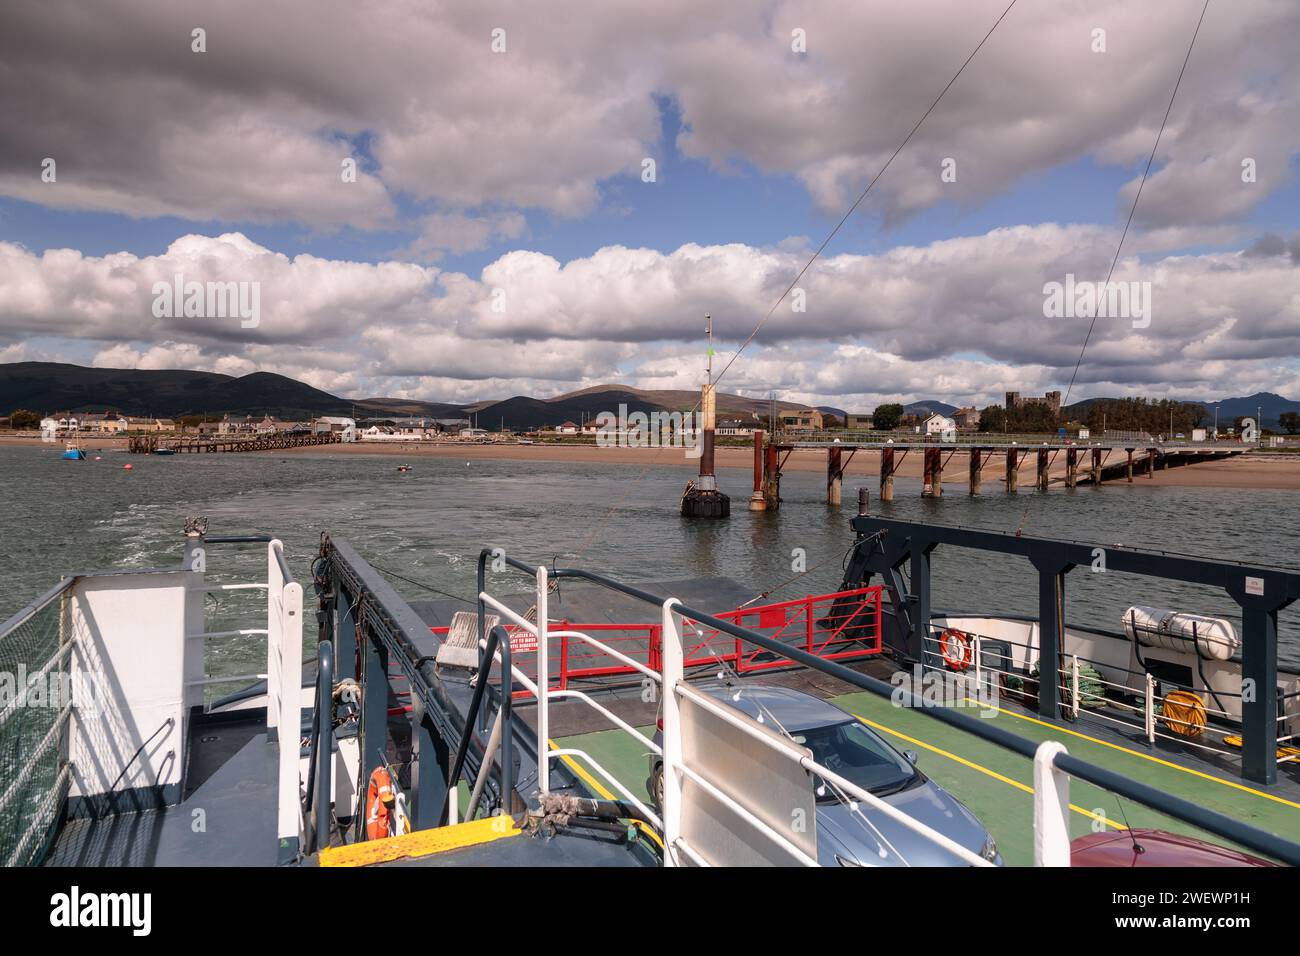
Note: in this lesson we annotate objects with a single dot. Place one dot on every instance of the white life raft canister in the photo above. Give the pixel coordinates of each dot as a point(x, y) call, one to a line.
point(1213, 638)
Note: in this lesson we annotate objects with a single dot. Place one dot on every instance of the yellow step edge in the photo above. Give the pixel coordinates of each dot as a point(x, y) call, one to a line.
point(420, 843)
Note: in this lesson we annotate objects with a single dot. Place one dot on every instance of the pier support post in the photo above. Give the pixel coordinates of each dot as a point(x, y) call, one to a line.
point(1042, 469)
point(1013, 470)
point(1096, 467)
point(834, 476)
point(772, 479)
point(757, 502)
point(1128, 467)
point(1151, 464)
point(976, 471)
point(1071, 467)
point(887, 474)
point(932, 477)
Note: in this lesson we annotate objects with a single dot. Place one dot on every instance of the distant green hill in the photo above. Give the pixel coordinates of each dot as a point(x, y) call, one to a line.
point(47, 387)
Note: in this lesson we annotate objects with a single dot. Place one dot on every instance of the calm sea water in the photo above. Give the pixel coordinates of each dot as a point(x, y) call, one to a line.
point(428, 524)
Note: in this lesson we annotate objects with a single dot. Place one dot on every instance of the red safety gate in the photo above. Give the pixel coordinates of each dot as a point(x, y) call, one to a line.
point(836, 626)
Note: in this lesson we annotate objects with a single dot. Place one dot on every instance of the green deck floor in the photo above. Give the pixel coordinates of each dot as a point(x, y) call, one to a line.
point(997, 785)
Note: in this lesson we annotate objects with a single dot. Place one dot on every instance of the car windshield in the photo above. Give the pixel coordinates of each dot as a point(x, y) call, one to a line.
point(857, 754)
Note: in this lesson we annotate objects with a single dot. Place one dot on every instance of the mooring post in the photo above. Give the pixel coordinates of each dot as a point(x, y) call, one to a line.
point(704, 500)
point(1096, 467)
point(976, 471)
point(1042, 469)
point(887, 474)
point(927, 473)
point(772, 483)
point(1128, 467)
point(834, 476)
point(1013, 470)
point(756, 501)
point(1151, 463)
point(1071, 467)
point(864, 502)
point(936, 489)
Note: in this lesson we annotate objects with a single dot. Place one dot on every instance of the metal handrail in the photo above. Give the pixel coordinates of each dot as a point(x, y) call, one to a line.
point(25, 614)
point(1184, 810)
point(321, 750)
point(497, 640)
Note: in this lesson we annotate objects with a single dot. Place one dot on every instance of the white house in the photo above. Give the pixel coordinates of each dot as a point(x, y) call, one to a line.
point(939, 425)
point(346, 427)
point(736, 427)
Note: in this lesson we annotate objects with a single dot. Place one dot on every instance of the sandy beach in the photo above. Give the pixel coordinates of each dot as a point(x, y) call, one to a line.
point(1265, 471)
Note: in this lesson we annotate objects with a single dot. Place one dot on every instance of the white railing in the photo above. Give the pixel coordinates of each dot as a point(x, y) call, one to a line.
point(542, 632)
point(1147, 715)
point(284, 684)
point(1054, 846)
point(675, 766)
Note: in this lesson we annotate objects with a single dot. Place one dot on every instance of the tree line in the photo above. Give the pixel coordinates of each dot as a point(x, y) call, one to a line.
point(1156, 417)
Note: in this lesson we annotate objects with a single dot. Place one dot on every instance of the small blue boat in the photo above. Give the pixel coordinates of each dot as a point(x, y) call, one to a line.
point(164, 451)
point(72, 452)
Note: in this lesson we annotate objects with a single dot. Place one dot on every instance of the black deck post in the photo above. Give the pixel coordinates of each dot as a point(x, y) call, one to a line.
point(1259, 692)
point(374, 717)
point(920, 583)
point(429, 785)
point(345, 635)
point(1051, 633)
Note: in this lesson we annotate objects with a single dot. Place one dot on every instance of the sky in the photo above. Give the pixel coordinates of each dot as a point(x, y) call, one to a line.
point(466, 201)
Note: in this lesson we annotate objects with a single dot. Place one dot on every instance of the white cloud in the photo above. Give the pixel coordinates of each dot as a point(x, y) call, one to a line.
point(255, 128)
point(959, 318)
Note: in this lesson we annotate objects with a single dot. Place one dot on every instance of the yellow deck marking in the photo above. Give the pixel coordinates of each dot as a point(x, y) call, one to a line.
point(600, 788)
point(982, 769)
point(1138, 753)
point(420, 843)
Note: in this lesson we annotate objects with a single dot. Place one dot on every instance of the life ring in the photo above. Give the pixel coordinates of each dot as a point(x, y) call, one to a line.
point(380, 800)
point(955, 646)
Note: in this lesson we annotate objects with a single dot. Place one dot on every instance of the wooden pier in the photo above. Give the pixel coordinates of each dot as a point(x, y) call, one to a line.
point(150, 444)
point(1093, 463)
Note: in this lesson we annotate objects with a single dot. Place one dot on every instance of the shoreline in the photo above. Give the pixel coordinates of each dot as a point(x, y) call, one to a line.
point(1273, 473)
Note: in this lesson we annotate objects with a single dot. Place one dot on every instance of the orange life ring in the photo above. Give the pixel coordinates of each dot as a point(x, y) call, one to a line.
point(955, 646)
point(380, 798)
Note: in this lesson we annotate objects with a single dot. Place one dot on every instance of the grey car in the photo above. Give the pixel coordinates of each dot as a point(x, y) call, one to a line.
point(843, 743)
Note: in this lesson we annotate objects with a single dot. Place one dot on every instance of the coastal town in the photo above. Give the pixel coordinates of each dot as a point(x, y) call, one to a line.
point(1021, 417)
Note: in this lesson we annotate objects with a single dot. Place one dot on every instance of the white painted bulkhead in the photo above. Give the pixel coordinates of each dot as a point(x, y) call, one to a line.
point(129, 632)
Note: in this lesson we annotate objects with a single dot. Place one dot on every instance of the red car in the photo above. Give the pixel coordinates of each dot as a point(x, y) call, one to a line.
point(1158, 848)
